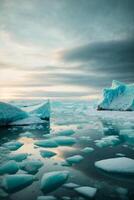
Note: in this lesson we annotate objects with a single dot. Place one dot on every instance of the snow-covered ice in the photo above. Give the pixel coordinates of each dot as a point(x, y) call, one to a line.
point(111, 140)
point(119, 97)
point(121, 165)
point(13, 183)
point(10, 167)
point(48, 143)
point(47, 154)
point(74, 159)
point(86, 191)
point(53, 180)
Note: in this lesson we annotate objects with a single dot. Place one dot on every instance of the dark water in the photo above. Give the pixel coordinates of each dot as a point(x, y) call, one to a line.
point(73, 116)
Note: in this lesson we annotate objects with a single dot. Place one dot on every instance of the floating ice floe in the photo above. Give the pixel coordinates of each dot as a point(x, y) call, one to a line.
point(111, 140)
point(13, 146)
point(87, 150)
point(47, 154)
point(64, 140)
point(67, 132)
point(31, 166)
point(13, 183)
point(74, 159)
point(86, 191)
point(71, 185)
point(10, 167)
point(23, 115)
point(18, 157)
point(48, 143)
point(46, 198)
point(119, 97)
point(121, 165)
point(53, 180)
point(27, 134)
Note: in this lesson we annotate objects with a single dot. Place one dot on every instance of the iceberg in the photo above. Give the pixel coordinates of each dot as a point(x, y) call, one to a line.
point(86, 191)
point(71, 185)
point(119, 97)
point(127, 135)
point(18, 157)
point(74, 159)
point(120, 165)
point(11, 114)
point(13, 146)
point(53, 180)
point(111, 140)
point(31, 166)
point(64, 140)
point(67, 132)
point(87, 150)
point(47, 154)
point(13, 183)
point(10, 167)
point(48, 143)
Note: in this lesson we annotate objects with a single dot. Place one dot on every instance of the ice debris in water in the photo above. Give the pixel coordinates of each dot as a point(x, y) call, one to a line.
point(13, 183)
point(64, 140)
point(10, 167)
point(53, 180)
point(111, 140)
point(13, 146)
point(48, 143)
point(18, 157)
point(74, 159)
point(47, 154)
point(121, 165)
point(127, 135)
point(86, 191)
point(31, 166)
point(87, 150)
point(27, 134)
point(10, 113)
point(46, 198)
point(67, 132)
point(119, 97)
point(71, 185)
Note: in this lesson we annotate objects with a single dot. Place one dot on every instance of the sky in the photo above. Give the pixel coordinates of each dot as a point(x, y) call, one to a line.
point(64, 48)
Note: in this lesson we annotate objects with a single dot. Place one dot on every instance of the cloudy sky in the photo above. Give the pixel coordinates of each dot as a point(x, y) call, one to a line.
point(64, 48)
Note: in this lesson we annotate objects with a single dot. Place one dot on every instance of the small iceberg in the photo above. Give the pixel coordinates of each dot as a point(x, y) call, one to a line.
point(31, 166)
point(74, 159)
point(46, 198)
point(86, 191)
point(13, 183)
point(47, 154)
point(48, 143)
point(13, 146)
point(87, 150)
point(119, 97)
point(12, 115)
point(127, 135)
point(10, 167)
point(111, 140)
point(18, 157)
point(67, 132)
point(53, 180)
point(121, 165)
point(64, 140)
point(71, 185)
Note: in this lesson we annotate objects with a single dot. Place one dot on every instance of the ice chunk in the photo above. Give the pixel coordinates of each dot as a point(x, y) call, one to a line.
point(13, 183)
point(49, 143)
point(74, 159)
point(108, 141)
point(53, 180)
point(46, 198)
point(87, 150)
point(47, 154)
point(27, 134)
point(127, 135)
point(10, 113)
point(13, 146)
point(10, 167)
point(71, 185)
point(18, 157)
point(27, 121)
point(64, 140)
point(118, 97)
point(67, 132)
point(31, 166)
point(121, 165)
point(86, 191)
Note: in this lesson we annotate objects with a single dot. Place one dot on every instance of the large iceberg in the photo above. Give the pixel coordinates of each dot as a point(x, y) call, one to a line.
point(11, 114)
point(119, 97)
